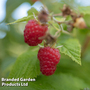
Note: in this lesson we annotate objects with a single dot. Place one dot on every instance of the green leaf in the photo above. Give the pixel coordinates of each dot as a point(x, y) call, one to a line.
point(22, 19)
point(26, 66)
point(58, 82)
point(30, 16)
point(72, 48)
point(68, 66)
point(16, 88)
point(84, 10)
point(32, 10)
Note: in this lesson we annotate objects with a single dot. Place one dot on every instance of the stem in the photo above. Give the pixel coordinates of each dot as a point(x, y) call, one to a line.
point(59, 46)
point(60, 14)
point(57, 34)
point(67, 33)
point(40, 46)
point(34, 16)
point(57, 21)
point(66, 22)
point(54, 27)
point(63, 31)
point(86, 44)
point(61, 28)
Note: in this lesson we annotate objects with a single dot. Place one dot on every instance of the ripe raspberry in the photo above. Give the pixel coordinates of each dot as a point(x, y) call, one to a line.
point(47, 69)
point(33, 31)
point(49, 58)
point(49, 54)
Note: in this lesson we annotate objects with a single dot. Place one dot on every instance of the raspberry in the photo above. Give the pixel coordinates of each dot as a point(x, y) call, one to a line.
point(49, 54)
point(33, 31)
point(49, 58)
point(47, 69)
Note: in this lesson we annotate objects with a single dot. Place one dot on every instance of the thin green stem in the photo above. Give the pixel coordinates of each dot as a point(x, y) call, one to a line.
point(67, 33)
point(54, 27)
point(61, 27)
point(60, 22)
point(63, 31)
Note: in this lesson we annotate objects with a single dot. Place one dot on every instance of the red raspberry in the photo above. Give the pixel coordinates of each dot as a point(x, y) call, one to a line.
point(47, 69)
point(49, 58)
point(49, 54)
point(33, 31)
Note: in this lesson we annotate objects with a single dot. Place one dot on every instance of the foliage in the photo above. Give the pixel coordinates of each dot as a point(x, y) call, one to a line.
point(84, 10)
point(27, 64)
point(72, 48)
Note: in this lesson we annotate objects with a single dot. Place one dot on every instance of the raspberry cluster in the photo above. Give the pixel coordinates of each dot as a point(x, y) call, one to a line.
point(48, 57)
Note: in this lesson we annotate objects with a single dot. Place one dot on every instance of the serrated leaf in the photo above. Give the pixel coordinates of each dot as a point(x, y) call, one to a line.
point(72, 48)
point(84, 10)
point(26, 66)
point(22, 19)
point(32, 10)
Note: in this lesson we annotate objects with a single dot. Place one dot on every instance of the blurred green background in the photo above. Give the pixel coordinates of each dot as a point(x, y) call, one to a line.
point(12, 41)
